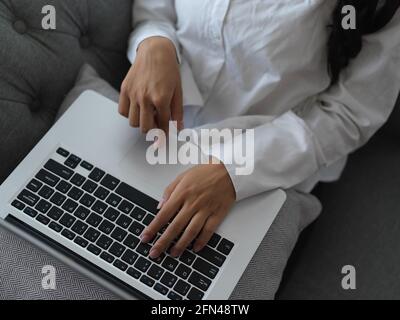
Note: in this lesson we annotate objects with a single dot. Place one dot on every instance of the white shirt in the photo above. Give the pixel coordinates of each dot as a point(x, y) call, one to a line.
point(262, 64)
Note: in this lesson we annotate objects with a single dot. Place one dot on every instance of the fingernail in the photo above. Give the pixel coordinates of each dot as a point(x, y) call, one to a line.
point(145, 238)
point(175, 253)
point(197, 248)
point(160, 204)
point(154, 253)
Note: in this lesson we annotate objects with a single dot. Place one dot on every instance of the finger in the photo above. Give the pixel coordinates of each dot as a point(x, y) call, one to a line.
point(134, 115)
point(177, 107)
point(172, 232)
point(146, 118)
point(163, 117)
point(168, 192)
point(123, 106)
point(209, 228)
point(169, 210)
point(190, 233)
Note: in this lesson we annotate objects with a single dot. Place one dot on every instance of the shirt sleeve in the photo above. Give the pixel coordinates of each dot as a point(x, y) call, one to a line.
point(292, 147)
point(153, 18)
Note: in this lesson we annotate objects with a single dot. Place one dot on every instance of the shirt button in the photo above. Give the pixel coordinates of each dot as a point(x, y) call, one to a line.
point(20, 27)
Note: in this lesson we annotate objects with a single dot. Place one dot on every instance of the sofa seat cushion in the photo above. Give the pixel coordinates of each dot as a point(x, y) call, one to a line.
point(38, 67)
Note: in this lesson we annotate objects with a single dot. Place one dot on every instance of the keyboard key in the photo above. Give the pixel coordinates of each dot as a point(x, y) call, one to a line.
point(62, 152)
point(168, 279)
point(30, 212)
point(70, 205)
point(134, 273)
point(94, 249)
point(63, 186)
point(212, 256)
point(225, 246)
point(34, 185)
point(170, 263)
point(96, 174)
point(58, 199)
point(43, 219)
point(87, 200)
point(187, 258)
point(129, 256)
point(142, 264)
point(46, 192)
point(101, 193)
point(135, 196)
point(67, 220)
point(55, 213)
point(119, 234)
point(43, 206)
point(136, 228)
point(147, 281)
point(55, 226)
point(89, 186)
point(148, 219)
point(86, 165)
point(159, 259)
point(81, 242)
point(92, 235)
point(107, 257)
point(131, 241)
point(214, 240)
point(18, 204)
point(79, 227)
point(113, 200)
point(68, 234)
point(138, 213)
point(106, 227)
point(109, 182)
point(182, 287)
point(120, 265)
point(72, 161)
point(205, 268)
point(111, 214)
point(78, 180)
point(183, 271)
point(155, 272)
point(126, 207)
point(28, 198)
point(59, 169)
point(75, 193)
point(104, 242)
point(117, 249)
point(82, 213)
point(143, 249)
point(195, 294)
point(199, 281)
point(94, 220)
point(174, 296)
point(161, 289)
point(99, 207)
point(48, 178)
point(124, 221)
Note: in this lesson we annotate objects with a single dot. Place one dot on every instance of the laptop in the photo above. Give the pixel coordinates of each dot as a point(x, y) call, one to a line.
point(86, 192)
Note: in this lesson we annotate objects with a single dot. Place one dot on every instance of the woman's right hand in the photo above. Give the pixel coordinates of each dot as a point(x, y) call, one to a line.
point(151, 94)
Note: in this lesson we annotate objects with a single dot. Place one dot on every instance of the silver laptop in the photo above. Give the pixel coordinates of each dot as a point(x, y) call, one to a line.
point(86, 192)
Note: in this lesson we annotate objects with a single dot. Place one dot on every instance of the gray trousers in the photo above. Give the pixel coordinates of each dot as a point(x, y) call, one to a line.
point(21, 262)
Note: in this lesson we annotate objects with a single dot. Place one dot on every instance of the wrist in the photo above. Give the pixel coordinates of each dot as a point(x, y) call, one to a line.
point(157, 44)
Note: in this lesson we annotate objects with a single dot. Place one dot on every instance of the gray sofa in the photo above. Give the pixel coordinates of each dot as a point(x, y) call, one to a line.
point(360, 223)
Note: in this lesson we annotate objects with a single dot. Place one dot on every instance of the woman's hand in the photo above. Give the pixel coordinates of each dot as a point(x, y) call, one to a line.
point(199, 199)
point(151, 94)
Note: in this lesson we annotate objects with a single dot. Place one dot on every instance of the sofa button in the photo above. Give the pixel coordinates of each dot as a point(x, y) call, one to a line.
point(85, 42)
point(35, 106)
point(20, 27)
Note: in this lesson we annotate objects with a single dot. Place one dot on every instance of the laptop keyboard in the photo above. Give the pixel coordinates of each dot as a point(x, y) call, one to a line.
point(106, 216)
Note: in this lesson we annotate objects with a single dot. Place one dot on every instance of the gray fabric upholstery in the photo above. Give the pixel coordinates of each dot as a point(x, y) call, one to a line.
point(38, 67)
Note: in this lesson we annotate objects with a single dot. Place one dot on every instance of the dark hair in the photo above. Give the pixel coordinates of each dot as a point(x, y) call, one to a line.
point(345, 45)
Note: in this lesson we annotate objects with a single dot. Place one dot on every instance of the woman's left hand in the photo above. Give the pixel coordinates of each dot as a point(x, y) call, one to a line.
point(197, 201)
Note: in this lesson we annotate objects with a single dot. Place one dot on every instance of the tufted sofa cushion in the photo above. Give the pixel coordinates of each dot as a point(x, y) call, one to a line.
point(38, 67)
